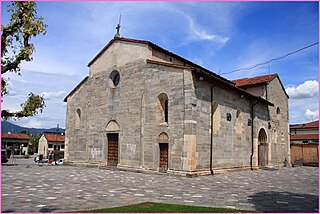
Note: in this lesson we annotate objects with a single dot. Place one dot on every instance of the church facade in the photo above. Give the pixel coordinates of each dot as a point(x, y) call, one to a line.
point(144, 108)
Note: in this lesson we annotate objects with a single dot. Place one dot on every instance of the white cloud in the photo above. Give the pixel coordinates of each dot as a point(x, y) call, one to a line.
point(307, 89)
point(311, 115)
point(201, 34)
point(33, 123)
point(53, 94)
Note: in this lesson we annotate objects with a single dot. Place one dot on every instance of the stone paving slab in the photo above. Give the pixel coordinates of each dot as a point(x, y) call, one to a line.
point(33, 188)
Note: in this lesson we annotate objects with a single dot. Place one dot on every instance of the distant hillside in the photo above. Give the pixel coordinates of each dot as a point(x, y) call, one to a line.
point(9, 127)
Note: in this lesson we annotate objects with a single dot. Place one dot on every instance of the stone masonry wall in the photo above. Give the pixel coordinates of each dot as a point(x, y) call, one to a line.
point(280, 149)
point(134, 104)
point(232, 142)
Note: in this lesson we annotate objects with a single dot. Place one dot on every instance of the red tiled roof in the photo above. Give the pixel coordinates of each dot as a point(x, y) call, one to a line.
point(15, 136)
point(314, 124)
point(54, 137)
point(304, 137)
point(254, 80)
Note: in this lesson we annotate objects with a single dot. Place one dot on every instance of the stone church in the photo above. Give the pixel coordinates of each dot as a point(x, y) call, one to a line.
point(144, 108)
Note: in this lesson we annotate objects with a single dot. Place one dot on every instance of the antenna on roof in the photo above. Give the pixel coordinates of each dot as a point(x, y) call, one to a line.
point(118, 28)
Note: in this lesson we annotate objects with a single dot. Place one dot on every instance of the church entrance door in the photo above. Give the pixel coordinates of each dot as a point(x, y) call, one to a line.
point(163, 166)
point(113, 149)
point(262, 149)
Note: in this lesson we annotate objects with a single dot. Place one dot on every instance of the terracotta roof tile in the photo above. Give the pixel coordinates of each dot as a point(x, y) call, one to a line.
point(314, 124)
point(254, 80)
point(304, 137)
point(15, 136)
point(54, 137)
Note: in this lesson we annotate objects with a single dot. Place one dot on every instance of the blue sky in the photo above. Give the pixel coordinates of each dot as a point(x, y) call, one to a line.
point(221, 36)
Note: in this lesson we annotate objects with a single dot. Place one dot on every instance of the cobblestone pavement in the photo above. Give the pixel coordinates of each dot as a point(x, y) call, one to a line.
point(28, 187)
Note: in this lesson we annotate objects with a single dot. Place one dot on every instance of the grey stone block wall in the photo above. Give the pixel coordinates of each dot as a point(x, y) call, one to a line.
point(232, 142)
point(134, 104)
point(279, 122)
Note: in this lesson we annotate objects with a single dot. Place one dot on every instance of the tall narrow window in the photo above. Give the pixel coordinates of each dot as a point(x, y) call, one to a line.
point(164, 103)
point(78, 118)
point(166, 111)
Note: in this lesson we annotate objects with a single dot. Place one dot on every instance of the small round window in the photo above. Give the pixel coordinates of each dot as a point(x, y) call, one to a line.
point(115, 77)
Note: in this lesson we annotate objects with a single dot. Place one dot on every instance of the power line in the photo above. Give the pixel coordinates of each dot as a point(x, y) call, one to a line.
point(274, 59)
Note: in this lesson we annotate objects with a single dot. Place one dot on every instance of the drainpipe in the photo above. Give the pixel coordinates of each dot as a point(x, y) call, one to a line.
point(252, 149)
point(211, 140)
point(142, 131)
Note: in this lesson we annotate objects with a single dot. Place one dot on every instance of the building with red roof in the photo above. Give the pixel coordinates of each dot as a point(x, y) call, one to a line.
point(51, 142)
point(304, 143)
point(14, 143)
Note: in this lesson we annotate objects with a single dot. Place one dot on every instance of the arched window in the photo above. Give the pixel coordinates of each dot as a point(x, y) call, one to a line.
point(238, 113)
point(262, 137)
point(163, 136)
point(278, 110)
point(163, 98)
point(78, 118)
point(115, 78)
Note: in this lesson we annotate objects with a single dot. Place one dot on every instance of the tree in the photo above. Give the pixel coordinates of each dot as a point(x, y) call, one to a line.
point(34, 139)
point(16, 47)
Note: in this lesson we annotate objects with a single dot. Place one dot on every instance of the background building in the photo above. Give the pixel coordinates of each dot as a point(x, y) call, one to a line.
point(14, 143)
point(50, 143)
point(304, 143)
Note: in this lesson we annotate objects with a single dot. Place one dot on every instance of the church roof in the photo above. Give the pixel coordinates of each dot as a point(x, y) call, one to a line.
point(154, 46)
point(265, 79)
point(254, 80)
point(190, 65)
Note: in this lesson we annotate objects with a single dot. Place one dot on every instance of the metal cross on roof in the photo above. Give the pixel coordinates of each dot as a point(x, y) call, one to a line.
point(118, 28)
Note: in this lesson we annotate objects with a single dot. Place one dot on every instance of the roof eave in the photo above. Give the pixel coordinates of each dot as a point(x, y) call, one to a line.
point(232, 86)
point(76, 88)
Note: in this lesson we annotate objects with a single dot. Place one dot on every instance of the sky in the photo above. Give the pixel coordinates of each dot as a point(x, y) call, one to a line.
point(220, 36)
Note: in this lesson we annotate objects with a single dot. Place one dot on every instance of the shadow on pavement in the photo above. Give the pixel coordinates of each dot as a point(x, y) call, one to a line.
point(284, 202)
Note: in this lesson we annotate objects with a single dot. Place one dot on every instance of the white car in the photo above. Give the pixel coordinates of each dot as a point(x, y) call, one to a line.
point(44, 160)
point(59, 162)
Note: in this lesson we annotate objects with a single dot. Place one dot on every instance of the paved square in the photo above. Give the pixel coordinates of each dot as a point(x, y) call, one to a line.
point(28, 187)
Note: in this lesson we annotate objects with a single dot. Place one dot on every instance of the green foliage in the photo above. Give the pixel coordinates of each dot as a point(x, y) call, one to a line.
point(34, 139)
point(151, 207)
point(58, 155)
point(16, 47)
point(30, 151)
point(32, 106)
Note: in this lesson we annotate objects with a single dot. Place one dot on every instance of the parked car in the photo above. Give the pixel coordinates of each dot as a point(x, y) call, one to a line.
point(37, 160)
point(59, 162)
point(4, 158)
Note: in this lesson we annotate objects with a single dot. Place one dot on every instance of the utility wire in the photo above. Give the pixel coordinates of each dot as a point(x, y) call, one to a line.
point(274, 59)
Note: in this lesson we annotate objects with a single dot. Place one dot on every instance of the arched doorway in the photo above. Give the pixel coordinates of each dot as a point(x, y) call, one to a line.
point(163, 149)
point(262, 149)
point(112, 130)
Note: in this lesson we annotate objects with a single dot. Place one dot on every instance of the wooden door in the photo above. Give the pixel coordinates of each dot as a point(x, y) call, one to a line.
point(163, 165)
point(112, 149)
point(262, 155)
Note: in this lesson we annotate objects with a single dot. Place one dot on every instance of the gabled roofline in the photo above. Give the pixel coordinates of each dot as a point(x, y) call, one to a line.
point(212, 77)
point(233, 87)
point(157, 48)
point(284, 90)
point(76, 88)
point(265, 82)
